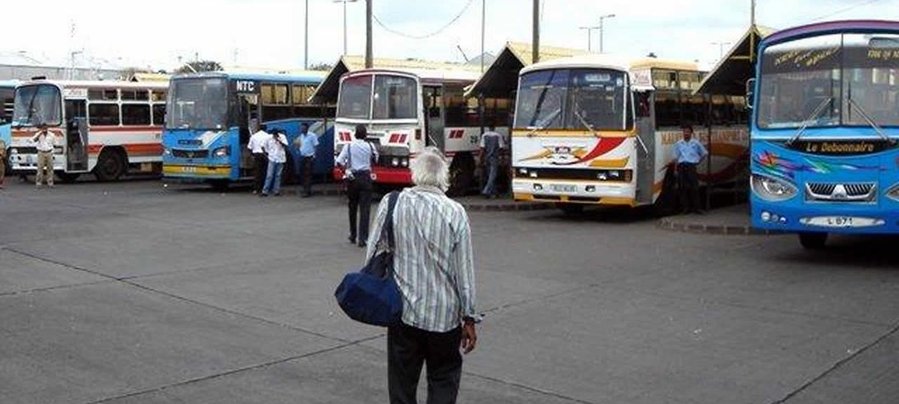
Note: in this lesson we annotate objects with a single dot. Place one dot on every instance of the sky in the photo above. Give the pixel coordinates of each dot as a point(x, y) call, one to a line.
point(162, 34)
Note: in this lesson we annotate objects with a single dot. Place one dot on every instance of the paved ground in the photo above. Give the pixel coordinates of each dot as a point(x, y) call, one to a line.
point(135, 293)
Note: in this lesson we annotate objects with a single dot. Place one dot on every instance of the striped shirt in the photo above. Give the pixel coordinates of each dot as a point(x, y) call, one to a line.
point(433, 262)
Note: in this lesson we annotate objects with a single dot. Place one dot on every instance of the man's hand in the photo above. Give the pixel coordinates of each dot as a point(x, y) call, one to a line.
point(469, 337)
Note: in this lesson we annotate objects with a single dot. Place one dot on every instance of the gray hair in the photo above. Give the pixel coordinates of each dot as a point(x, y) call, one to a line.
point(430, 169)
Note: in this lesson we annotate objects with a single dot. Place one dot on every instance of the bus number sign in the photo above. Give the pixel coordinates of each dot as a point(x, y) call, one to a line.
point(245, 87)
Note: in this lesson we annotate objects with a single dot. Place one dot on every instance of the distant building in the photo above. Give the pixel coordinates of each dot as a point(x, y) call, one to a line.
point(21, 67)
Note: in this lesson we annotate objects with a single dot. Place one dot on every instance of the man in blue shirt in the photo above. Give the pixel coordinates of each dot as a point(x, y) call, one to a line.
point(307, 142)
point(357, 159)
point(688, 152)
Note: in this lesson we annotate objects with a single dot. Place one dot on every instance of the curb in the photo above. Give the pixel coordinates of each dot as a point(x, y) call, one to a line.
point(717, 229)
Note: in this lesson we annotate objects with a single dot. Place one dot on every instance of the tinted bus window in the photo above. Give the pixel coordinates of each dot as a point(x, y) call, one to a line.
point(135, 95)
point(135, 114)
point(103, 114)
point(158, 114)
point(103, 95)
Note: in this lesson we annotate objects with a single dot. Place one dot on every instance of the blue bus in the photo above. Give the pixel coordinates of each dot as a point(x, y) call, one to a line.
point(210, 117)
point(7, 102)
point(824, 131)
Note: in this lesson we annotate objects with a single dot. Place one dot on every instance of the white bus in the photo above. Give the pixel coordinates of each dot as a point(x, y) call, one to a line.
point(600, 130)
point(408, 110)
point(103, 127)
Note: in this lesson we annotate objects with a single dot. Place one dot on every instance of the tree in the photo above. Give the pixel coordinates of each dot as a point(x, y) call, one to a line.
point(129, 72)
point(200, 66)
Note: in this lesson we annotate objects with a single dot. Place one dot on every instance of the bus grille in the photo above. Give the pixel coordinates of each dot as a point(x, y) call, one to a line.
point(836, 192)
point(190, 154)
point(573, 174)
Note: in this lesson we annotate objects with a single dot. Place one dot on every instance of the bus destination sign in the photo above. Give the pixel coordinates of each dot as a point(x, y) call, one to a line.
point(840, 147)
point(246, 87)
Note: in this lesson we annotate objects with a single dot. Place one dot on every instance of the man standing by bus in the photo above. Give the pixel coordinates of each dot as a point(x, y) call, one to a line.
point(308, 142)
point(356, 158)
point(45, 141)
point(491, 146)
point(276, 150)
point(260, 161)
point(688, 152)
point(2, 162)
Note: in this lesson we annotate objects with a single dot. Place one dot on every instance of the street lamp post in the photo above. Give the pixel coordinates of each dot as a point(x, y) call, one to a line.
point(721, 46)
point(344, 20)
point(589, 37)
point(601, 22)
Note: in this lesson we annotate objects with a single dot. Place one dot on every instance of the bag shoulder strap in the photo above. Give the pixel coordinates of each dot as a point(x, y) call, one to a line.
point(388, 221)
point(349, 156)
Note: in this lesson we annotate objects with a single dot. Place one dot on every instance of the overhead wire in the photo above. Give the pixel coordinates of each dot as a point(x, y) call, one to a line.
point(843, 10)
point(428, 35)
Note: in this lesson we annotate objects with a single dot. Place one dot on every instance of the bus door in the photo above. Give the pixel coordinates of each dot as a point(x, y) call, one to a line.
point(644, 123)
point(77, 133)
point(248, 117)
point(434, 117)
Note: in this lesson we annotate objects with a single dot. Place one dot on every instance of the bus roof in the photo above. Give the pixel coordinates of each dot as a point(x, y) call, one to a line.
point(822, 28)
point(307, 77)
point(99, 84)
point(9, 83)
point(425, 75)
point(612, 62)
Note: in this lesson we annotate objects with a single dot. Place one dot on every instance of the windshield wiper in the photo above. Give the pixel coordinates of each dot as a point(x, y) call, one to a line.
point(808, 121)
point(542, 123)
point(871, 122)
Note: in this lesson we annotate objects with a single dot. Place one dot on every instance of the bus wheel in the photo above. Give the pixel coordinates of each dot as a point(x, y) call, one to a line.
point(67, 178)
point(111, 165)
point(571, 209)
point(813, 241)
point(461, 175)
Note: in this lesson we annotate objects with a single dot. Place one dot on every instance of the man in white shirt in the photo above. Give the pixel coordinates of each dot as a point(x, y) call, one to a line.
point(276, 150)
point(356, 158)
point(491, 146)
point(45, 141)
point(260, 161)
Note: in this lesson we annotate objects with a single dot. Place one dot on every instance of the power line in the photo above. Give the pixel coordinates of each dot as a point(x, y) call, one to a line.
point(428, 35)
point(843, 10)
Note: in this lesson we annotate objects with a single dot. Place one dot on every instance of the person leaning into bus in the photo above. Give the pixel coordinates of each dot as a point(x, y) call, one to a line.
point(688, 152)
point(260, 161)
point(307, 142)
point(45, 141)
point(491, 146)
point(276, 150)
point(356, 158)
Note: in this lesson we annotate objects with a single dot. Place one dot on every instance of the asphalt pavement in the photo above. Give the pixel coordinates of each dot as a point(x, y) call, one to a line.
point(133, 292)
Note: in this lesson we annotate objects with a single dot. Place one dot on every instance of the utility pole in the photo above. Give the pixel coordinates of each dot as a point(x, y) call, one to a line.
point(589, 37)
point(306, 39)
point(752, 13)
point(721, 46)
point(601, 28)
point(535, 51)
point(483, 28)
point(344, 21)
point(368, 50)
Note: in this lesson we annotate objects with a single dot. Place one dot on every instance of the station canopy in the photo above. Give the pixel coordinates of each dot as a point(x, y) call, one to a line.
point(500, 79)
point(731, 73)
point(328, 90)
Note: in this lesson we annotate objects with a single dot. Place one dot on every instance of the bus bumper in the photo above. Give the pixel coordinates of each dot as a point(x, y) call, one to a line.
point(825, 219)
point(191, 171)
point(595, 193)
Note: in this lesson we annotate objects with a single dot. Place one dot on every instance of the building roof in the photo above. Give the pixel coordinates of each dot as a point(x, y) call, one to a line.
point(730, 74)
point(150, 77)
point(328, 89)
point(500, 79)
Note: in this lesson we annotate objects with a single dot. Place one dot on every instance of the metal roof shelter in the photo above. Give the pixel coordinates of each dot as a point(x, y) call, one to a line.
point(500, 79)
point(328, 90)
point(730, 74)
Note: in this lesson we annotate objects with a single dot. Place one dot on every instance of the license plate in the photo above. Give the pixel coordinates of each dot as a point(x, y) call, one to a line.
point(563, 188)
point(841, 221)
point(188, 169)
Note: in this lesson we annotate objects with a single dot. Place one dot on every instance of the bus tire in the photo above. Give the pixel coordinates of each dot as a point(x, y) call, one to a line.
point(67, 178)
point(110, 165)
point(461, 175)
point(813, 240)
point(571, 209)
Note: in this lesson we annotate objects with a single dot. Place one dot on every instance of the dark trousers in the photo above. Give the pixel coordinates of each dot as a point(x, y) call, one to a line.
point(260, 161)
point(408, 348)
point(688, 187)
point(359, 196)
point(307, 174)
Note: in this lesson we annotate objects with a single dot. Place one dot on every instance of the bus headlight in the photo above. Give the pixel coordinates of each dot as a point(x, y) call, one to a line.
point(167, 151)
point(395, 162)
point(404, 162)
point(893, 193)
point(772, 189)
point(223, 151)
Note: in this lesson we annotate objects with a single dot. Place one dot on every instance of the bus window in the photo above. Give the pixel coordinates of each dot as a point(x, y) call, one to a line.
point(642, 104)
point(103, 114)
point(667, 109)
point(274, 94)
point(301, 93)
point(134, 95)
point(135, 114)
point(157, 96)
point(99, 94)
point(395, 97)
point(158, 114)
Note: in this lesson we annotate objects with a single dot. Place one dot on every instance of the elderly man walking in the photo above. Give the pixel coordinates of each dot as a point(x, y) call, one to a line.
point(433, 267)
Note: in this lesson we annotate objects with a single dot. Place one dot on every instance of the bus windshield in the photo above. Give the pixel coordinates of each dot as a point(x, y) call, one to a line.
point(830, 80)
point(592, 99)
point(36, 105)
point(198, 103)
point(394, 97)
point(355, 98)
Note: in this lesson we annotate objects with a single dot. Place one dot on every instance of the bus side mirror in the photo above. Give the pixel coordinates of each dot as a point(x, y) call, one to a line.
point(750, 91)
